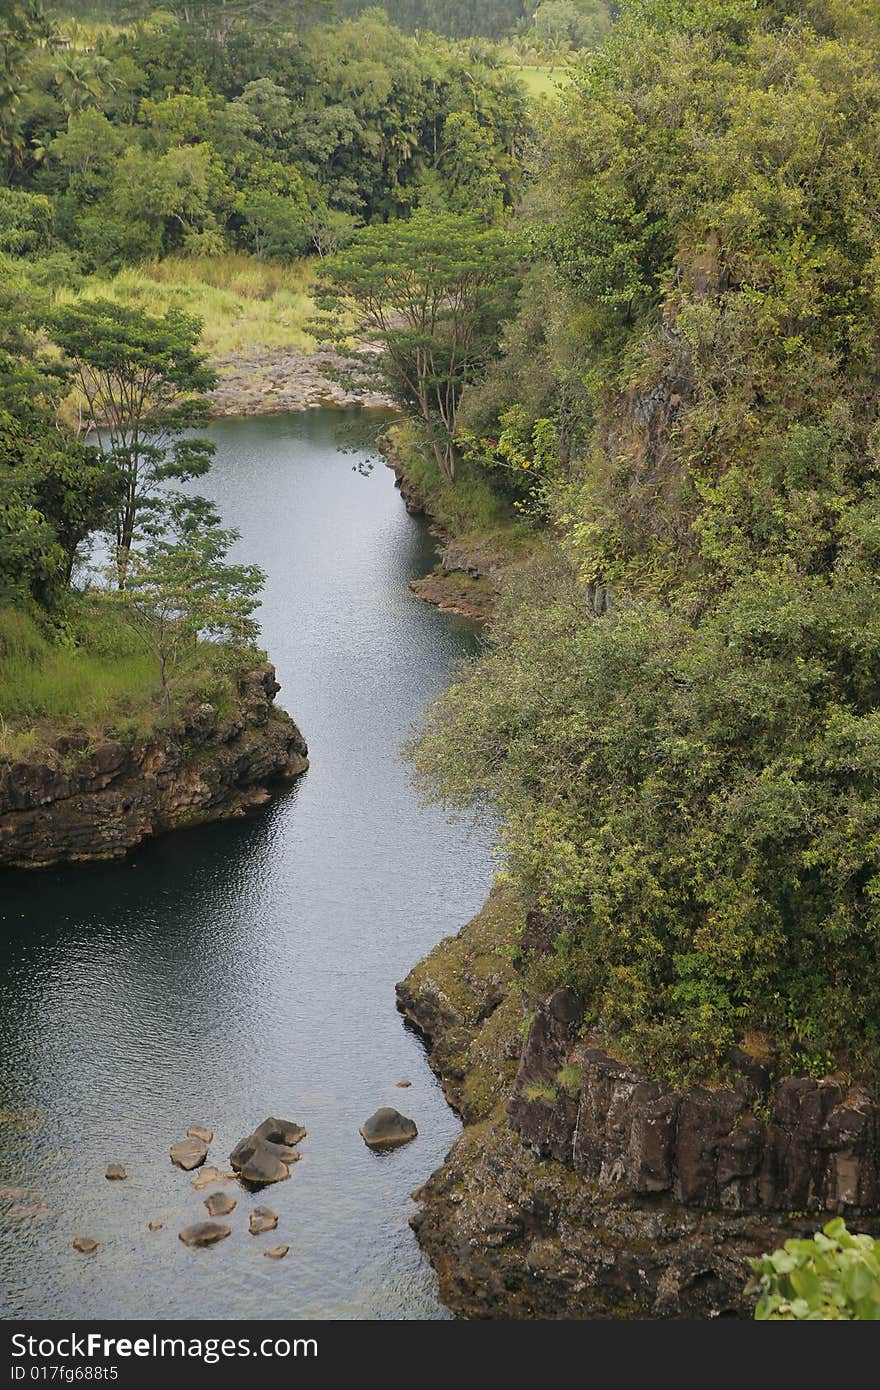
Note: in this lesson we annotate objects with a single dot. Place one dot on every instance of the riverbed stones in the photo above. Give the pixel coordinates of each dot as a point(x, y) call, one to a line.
point(387, 1129)
point(200, 1132)
point(262, 1219)
point(115, 1173)
point(204, 1233)
point(189, 1154)
point(207, 1177)
point(220, 1204)
point(84, 1244)
point(277, 1252)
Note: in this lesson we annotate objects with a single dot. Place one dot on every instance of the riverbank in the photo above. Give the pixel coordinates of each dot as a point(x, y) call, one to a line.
point(480, 542)
point(84, 799)
point(581, 1188)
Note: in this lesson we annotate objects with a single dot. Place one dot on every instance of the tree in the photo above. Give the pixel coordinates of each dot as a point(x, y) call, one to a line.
point(140, 381)
point(431, 293)
point(181, 589)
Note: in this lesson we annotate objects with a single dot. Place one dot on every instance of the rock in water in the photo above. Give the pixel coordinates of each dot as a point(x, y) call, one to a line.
point(262, 1167)
point(262, 1219)
point(261, 1159)
point(84, 1244)
point(404, 1084)
point(204, 1233)
point(115, 1173)
point(207, 1177)
point(387, 1129)
point(189, 1153)
point(277, 1252)
point(280, 1131)
point(220, 1204)
point(201, 1132)
point(155, 1225)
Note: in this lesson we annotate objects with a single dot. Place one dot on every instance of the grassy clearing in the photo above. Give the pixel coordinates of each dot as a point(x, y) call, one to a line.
point(245, 304)
point(543, 81)
point(94, 677)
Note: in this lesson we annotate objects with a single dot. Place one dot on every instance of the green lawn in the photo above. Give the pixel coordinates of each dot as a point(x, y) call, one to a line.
point(543, 81)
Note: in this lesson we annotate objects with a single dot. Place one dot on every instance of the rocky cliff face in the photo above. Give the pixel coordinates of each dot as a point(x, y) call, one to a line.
point(581, 1188)
point(97, 801)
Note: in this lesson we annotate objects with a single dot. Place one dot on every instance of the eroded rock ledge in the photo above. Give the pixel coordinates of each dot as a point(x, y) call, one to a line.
point(580, 1188)
point(88, 801)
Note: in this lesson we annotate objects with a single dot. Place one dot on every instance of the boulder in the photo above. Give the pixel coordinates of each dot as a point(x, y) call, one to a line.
point(84, 1244)
point(262, 1219)
point(201, 1132)
point(155, 1225)
point(403, 1084)
point(262, 1167)
point(265, 1155)
point(189, 1153)
point(387, 1128)
point(204, 1233)
point(220, 1204)
point(280, 1131)
point(242, 1152)
point(277, 1252)
point(115, 1173)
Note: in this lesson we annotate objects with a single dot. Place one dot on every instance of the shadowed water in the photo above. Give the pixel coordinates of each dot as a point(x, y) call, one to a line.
point(227, 973)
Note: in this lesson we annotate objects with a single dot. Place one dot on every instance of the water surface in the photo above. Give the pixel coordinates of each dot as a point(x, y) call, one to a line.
point(234, 971)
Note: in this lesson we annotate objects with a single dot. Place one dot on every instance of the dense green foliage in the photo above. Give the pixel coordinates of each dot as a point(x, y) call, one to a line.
point(679, 726)
point(430, 293)
point(172, 147)
point(833, 1278)
point(162, 138)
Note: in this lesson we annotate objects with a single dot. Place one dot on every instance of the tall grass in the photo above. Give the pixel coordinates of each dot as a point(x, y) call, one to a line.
point(96, 675)
point(245, 304)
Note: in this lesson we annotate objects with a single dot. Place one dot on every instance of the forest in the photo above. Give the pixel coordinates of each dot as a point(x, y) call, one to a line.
point(632, 335)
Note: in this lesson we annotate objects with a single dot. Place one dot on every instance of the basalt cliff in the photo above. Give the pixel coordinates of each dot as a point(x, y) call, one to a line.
point(87, 800)
point(581, 1188)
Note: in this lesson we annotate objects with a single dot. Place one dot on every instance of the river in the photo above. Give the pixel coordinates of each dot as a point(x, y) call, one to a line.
point(227, 973)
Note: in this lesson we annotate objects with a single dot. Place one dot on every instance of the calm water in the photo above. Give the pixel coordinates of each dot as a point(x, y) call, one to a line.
point(235, 971)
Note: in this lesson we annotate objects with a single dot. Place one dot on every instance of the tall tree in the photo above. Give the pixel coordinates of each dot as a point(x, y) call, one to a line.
point(431, 294)
point(140, 381)
point(181, 588)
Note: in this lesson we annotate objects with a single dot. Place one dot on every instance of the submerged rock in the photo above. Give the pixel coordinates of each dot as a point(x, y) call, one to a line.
point(207, 1177)
point(387, 1128)
point(220, 1204)
point(115, 1173)
point(262, 1219)
point(84, 1244)
point(204, 1233)
point(201, 1132)
point(189, 1153)
point(277, 1252)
